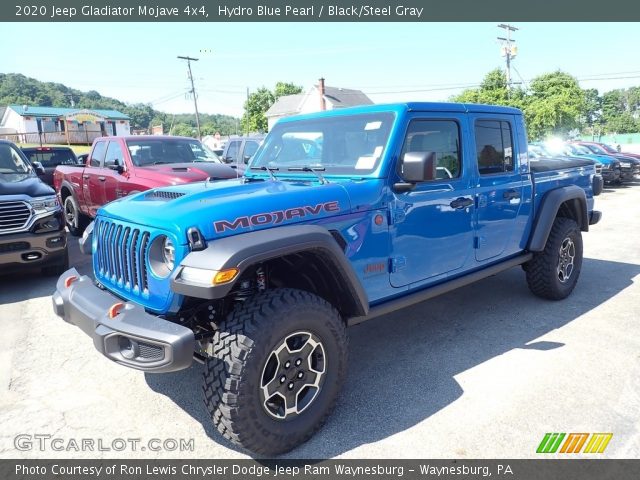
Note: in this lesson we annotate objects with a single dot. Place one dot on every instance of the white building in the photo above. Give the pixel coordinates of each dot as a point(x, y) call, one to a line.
point(32, 124)
point(316, 99)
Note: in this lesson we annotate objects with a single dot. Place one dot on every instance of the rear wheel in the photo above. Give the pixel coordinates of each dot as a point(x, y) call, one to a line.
point(553, 273)
point(75, 220)
point(276, 368)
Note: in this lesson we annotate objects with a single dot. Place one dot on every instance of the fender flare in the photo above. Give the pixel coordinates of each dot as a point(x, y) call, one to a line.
point(549, 206)
point(245, 250)
point(66, 184)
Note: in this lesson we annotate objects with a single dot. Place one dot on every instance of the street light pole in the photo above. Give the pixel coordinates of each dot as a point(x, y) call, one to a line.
point(193, 91)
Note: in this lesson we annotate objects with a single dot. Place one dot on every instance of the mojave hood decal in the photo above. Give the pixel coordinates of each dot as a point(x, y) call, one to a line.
point(275, 217)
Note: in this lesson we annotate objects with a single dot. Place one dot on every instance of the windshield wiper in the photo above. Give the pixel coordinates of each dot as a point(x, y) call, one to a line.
point(269, 170)
point(310, 168)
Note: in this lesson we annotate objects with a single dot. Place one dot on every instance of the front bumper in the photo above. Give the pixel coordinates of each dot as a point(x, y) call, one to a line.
point(19, 250)
point(133, 337)
point(594, 217)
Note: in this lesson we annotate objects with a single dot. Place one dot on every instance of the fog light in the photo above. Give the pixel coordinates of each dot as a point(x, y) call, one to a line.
point(55, 242)
point(128, 348)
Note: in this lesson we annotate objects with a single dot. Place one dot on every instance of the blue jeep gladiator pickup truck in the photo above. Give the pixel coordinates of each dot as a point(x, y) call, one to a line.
point(342, 216)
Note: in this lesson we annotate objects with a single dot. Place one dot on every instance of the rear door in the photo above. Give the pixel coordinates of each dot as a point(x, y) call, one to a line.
point(432, 225)
point(499, 196)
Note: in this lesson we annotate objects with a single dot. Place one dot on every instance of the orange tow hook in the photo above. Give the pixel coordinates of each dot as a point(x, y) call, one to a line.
point(69, 280)
point(115, 309)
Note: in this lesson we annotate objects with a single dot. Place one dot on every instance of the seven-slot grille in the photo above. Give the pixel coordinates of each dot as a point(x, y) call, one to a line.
point(121, 252)
point(14, 215)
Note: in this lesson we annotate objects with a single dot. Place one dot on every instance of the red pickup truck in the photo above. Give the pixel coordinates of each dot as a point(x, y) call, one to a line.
point(119, 166)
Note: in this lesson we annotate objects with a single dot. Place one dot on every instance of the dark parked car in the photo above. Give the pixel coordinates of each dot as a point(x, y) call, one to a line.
point(50, 158)
point(239, 150)
point(629, 166)
point(31, 223)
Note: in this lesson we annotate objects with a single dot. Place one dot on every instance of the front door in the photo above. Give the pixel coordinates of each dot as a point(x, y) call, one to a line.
point(109, 176)
point(432, 225)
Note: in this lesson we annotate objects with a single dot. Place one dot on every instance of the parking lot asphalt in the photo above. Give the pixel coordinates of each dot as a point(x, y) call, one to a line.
point(482, 372)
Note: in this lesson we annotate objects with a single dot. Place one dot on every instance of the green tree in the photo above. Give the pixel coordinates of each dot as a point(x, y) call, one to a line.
point(183, 130)
point(554, 105)
point(255, 107)
point(283, 88)
point(492, 91)
point(260, 101)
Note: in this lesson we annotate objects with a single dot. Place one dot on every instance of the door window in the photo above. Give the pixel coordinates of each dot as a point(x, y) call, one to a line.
point(441, 137)
point(232, 152)
point(114, 155)
point(250, 148)
point(97, 155)
point(494, 147)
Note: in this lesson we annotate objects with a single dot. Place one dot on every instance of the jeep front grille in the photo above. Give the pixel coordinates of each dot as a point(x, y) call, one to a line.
point(14, 216)
point(121, 253)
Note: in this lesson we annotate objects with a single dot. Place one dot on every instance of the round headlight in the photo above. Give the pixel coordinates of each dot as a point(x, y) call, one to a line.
point(168, 253)
point(162, 256)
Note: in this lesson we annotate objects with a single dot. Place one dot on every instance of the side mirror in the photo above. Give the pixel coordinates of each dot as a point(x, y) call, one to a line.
point(419, 166)
point(416, 167)
point(39, 169)
point(247, 158)
point(117, 166)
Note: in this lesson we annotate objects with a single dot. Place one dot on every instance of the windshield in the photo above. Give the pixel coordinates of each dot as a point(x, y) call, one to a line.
point(51, 157)
point(153, 151)
point(597, 149)
point(609, 148)
point(579, 150)
point(11, 162)
point(343, 145)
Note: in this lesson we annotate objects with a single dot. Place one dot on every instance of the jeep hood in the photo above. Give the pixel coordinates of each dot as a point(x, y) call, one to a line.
point(230, 207)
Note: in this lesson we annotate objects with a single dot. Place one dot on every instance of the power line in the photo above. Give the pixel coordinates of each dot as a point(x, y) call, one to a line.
point(193, 90)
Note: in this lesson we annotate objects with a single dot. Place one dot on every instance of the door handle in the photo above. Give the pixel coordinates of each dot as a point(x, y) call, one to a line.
point(86, 177)
point(461, 202)
point(102, 179)
point(511, 194)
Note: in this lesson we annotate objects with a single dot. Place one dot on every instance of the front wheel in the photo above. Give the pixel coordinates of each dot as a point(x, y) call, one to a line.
point(275, 370)
point(74, 219)
point(553, 273)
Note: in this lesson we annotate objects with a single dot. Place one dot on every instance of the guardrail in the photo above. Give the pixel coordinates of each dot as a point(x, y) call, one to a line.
point(79, 137)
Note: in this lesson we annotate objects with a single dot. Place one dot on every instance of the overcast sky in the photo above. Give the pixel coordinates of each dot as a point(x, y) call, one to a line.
point(136, 62)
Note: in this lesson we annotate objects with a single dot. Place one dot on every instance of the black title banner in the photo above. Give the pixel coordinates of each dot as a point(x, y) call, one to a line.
point(565, 469)
point(316, 10)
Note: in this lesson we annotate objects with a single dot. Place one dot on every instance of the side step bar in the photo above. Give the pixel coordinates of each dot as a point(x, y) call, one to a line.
point(439, 289)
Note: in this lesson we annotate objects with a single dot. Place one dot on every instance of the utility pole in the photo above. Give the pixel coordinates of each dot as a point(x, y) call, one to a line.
point(193, 90)
point(508, 51)
point(247, 108)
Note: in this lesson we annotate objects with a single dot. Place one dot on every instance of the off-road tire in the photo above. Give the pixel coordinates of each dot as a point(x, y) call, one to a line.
point(234, 373)
point(58, 268)
point(542, 270)
point(79, 222)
